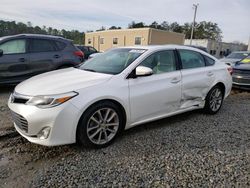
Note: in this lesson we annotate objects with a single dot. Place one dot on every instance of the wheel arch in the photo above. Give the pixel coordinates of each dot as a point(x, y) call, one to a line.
point(222, 86)
point(120, 106)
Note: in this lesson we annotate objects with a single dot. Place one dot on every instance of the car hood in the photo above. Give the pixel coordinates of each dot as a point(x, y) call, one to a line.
point(60, 81)
point(229, 60)
point(242, 66)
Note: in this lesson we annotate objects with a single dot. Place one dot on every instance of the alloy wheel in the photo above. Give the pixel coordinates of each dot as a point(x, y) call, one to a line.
point(102, 126)
point(215, 99)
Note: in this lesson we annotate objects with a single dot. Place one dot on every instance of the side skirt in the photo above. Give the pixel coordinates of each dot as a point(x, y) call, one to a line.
point(162, 116)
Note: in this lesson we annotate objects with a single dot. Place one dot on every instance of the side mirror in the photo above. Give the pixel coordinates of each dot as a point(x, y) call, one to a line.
point(143, 71)
point(1, 52)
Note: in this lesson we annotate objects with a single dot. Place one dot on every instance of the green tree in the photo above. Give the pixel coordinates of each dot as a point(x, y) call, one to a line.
point(175, 27)
point(133, 24)
point(114, 27)
point(13, 28)
point(155, 25)
point(165, 26)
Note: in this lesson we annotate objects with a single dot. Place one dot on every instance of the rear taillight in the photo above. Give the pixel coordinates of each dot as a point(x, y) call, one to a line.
point(230, 70)
point(79, 54)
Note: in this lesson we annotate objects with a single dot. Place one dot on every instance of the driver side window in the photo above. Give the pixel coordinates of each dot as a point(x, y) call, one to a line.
point(161, 62)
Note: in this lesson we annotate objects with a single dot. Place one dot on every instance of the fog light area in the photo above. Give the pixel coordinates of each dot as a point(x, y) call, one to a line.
point(44, 133)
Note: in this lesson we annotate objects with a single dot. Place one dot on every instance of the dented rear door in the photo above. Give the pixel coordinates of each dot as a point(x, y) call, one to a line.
point(197, 78)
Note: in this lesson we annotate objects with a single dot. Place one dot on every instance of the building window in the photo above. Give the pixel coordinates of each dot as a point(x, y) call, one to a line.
point(101, 40)
point(137, 40)
point(212, 52)
point(89, 41)
point(115, 41)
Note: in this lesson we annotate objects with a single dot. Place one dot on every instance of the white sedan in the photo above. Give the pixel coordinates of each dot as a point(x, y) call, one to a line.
point(117, 90)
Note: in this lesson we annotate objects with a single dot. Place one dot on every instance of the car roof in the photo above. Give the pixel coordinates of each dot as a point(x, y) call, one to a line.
point(169, 46)
point(33, 36)
point(83, 45)
point(159, 47)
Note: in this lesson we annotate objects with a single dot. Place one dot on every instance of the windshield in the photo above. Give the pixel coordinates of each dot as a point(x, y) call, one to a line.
point(246, 60)
point(237, 55)
point(113, 61)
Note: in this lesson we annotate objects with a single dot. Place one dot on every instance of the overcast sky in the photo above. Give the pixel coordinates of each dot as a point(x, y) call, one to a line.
point(232, 16)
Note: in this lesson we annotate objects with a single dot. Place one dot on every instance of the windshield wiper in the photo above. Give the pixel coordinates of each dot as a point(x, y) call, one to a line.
point(91, 70)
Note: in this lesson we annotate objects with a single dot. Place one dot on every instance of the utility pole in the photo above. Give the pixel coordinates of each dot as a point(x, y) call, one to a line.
point(195, 6)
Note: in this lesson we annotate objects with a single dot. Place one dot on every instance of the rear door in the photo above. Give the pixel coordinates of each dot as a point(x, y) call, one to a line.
point(197, 77)
point(44, 55)
point(159, 94)
point(14, 61)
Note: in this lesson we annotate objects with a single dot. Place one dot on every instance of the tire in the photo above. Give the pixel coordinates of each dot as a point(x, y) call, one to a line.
point(214, 100)
point(100, 125)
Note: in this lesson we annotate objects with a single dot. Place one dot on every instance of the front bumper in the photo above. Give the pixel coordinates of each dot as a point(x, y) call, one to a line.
point(241, 81)
point(62, 121)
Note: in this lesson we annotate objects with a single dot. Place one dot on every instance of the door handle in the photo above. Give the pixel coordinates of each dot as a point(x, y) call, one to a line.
point(56, 56)
point(22, 59)
point(210, 73)
point(175, 80)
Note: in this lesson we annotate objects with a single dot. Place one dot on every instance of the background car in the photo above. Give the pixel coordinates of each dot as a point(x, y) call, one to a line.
point(117, 90)
point(234, 57)
point(87, 50)
point(241, 74)
point(23, 56)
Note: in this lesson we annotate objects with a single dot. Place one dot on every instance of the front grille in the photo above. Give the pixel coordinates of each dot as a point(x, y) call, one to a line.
point(241, 72)
point(20, 121)
point(241, 80)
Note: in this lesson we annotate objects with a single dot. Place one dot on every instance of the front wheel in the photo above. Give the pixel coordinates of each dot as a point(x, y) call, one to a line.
point(100, 125)
point(214, 100)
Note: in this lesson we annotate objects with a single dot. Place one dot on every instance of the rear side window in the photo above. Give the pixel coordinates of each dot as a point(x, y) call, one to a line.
point(191, 59)
point(14, 46)
point(60, 45)
point(209, 61)
point(41, 45)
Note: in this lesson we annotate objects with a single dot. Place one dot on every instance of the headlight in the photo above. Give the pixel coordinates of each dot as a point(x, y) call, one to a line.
point(49, 101)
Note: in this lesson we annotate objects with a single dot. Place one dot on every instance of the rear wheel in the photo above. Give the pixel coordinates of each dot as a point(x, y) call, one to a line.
point(100, 125)
point(214, 100)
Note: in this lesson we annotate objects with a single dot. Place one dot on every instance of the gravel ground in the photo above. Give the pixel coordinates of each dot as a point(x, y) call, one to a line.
point(188, 150)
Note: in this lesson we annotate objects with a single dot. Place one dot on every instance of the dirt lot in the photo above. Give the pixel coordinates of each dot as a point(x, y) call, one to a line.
point(188, 150)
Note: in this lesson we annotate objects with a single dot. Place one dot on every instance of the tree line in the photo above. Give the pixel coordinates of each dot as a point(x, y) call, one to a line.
point(13, 28)
point(203, 30)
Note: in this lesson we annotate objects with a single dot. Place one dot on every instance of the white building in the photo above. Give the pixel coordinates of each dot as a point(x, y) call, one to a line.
point(215, 48)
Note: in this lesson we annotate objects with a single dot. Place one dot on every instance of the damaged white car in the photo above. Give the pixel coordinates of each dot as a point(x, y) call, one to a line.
point(117, 90)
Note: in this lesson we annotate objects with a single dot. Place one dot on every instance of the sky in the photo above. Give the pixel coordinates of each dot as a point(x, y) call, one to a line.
point(232, 16)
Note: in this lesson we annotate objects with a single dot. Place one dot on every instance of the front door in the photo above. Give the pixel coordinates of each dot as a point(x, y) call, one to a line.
point(159, 94)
